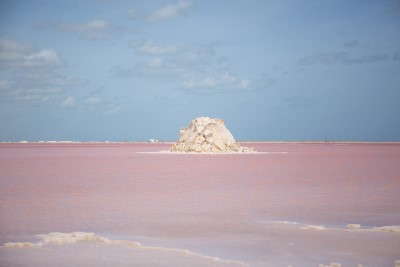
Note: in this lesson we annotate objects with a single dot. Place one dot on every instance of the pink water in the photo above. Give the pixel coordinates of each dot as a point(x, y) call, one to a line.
point(226, 206)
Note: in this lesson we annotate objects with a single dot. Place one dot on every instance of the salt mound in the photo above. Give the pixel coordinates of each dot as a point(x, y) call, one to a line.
point(207, 135)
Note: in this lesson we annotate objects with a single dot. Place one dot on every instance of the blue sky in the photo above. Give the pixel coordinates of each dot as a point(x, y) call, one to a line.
point(134, 70)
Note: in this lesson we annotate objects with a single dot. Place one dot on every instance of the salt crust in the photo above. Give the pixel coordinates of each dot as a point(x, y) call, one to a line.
point(350, 227)
point(57, 238)
point(353, 226)
point(356, 227)
point(336, 264)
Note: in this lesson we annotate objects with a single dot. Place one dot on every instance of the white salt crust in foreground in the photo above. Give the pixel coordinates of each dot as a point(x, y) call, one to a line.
point(143, 255)
point(61, 239)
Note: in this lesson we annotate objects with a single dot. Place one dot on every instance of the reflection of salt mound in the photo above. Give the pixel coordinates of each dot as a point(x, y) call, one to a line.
point(207, 135)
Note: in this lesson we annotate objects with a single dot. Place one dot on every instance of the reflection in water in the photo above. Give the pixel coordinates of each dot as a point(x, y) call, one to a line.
point(317, 203)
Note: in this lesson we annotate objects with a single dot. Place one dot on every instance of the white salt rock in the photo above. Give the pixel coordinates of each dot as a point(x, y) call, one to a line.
point(207, 135)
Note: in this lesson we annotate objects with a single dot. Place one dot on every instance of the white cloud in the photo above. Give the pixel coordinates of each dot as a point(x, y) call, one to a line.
point(14, 54)
point(69, 102)
point(150, 48)
point(195, 68)
point(34, 98)
point(220, 81)
point(94, 36)
point(94, 25)
point(184, 54)
point(6, 85)
point(169, 11)
point(113, 109)
point(93, 101)
point(43, 58)
point(30, 74)
point(7, 44)
point(154, 63)
point(341, 57)
point(157, 67)
point(169, 61)
point(95, 30)
point(33, 95)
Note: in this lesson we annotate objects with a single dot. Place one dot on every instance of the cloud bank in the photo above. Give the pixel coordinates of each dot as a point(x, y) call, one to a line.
point(191, 68)
point(32, 74)
point(17, 55)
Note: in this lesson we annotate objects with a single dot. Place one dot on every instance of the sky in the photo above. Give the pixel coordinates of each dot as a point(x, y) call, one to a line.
point(287, 70)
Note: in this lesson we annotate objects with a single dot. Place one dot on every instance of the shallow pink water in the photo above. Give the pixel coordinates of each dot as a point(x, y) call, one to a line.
point(212, 204)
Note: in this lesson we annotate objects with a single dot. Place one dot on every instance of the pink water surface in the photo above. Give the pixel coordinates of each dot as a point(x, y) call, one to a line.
point(213, 204)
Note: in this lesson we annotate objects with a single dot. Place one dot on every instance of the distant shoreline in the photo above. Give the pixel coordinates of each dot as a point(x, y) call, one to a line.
point(172, 142)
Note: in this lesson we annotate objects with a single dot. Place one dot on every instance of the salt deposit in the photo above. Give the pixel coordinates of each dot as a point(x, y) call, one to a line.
point(313, 227)
point(70, 238)
point(353, 226)
point(207, 135)
point(333, 264)
point(183, 257)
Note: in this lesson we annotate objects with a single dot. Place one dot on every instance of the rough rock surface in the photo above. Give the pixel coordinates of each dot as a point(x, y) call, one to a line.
point(207, 135)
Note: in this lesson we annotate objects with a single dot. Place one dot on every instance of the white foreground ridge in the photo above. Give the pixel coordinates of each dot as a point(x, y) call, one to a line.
point(208, 135)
